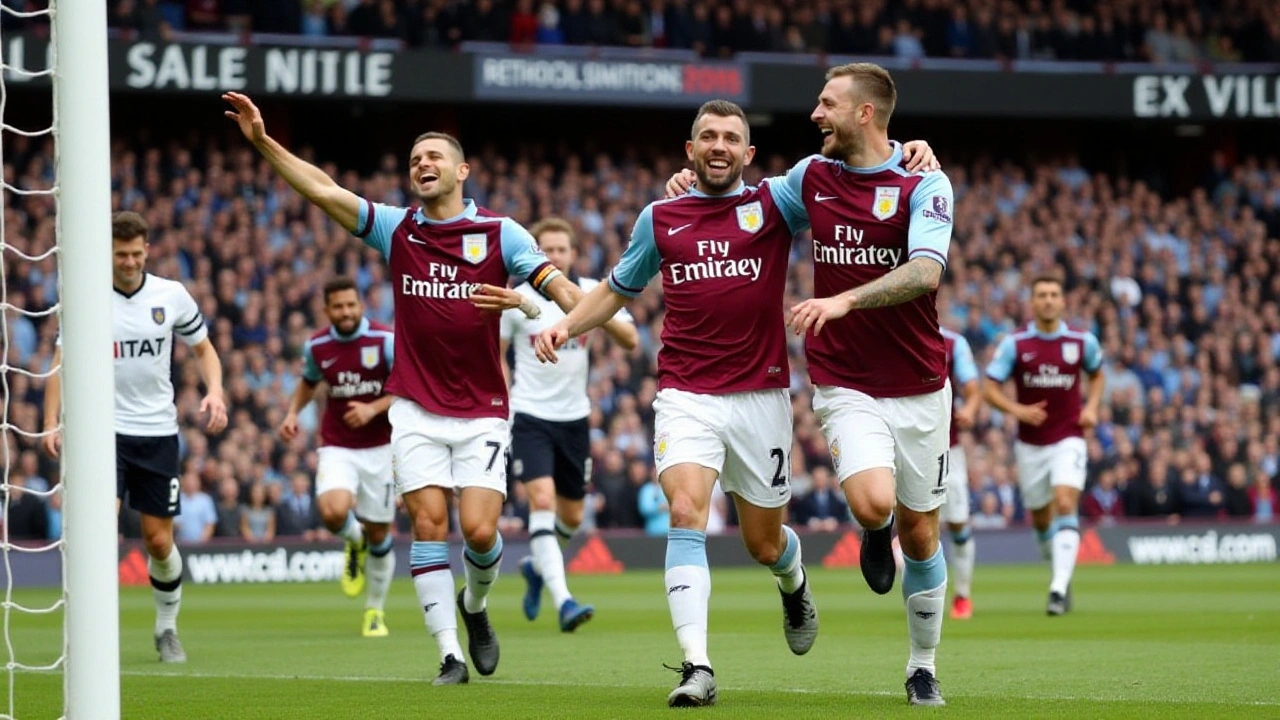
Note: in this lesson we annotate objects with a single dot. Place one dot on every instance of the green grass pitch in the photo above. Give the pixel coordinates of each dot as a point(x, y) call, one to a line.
point(1167, 642)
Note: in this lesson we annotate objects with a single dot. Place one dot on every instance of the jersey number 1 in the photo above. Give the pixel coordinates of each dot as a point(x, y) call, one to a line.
point(942, 469)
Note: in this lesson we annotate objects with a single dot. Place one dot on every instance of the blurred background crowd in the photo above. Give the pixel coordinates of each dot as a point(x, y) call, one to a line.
point(1113, 30)
point(1182, 289)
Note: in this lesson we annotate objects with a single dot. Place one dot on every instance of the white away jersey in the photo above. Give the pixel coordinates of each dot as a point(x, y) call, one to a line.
point(143, 326)
point(555, 392)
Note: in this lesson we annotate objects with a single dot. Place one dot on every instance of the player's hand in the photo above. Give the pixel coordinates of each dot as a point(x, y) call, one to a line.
point(289, 428)
point(491, 298)
point(247, 116)
point(1088, 417)
point(52, 442)
point(680, 183)
point(816, 312)
point(550, 340)
point(966, 416)
point(217, 409)
point(359, 414)
point(918, 156)
point(1033, 415)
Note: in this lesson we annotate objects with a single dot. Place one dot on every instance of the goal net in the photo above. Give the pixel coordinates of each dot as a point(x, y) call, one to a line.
point(63, 218)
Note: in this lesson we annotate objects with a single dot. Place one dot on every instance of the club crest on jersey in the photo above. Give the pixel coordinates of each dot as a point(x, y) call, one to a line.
point(475, 248)
point(660, 446)
point(369, 357)
point(157, 314)
point(751, 217)
point(1071, 353)
point(885, 205)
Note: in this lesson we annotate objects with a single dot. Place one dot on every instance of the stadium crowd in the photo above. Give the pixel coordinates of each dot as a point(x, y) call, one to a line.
point(1183, 292)
point(1118, 30)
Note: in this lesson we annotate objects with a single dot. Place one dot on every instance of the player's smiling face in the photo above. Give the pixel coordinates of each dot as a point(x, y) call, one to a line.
point(344, 310)
point(128, 260)
point(435, 170)
point(1047, 302)
point(840, 117)
point(719, 150)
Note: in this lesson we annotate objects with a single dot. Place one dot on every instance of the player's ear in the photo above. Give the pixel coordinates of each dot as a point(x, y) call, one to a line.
point(688, 149)
point(463, 170)
point(750, 153)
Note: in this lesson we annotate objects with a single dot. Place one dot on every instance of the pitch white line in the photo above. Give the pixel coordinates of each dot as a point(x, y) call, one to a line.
point(731, 688)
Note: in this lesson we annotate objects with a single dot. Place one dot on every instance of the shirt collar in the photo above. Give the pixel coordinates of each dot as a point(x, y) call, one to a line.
point(741, 188)
point(1061, 329)
point(360, 330)
point(469, 211)
point(895, 159)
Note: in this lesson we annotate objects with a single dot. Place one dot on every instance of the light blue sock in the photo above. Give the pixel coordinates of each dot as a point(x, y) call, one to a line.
point(788, 569)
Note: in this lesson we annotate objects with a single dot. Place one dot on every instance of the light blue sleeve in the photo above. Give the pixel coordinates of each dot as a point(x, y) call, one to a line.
point(1001, 366)
point(963, 365)
point(788, 194)
point(932, 208)
point(389, 349)
point(310, 370)
point(523, 257)
point(1092, 353)
point(640, 262)
point(376, 222)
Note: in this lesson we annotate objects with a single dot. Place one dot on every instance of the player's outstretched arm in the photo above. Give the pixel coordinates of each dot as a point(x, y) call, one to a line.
point(211, 371)
point(52, 440)
point(593, 311)
point(310, 181)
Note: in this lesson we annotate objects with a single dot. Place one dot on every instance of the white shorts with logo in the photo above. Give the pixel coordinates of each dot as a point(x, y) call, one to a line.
point(908, 435)
point(745, 437)
point(363, 472)
point(429, 450)
point(1042, 467)
point(956, 509)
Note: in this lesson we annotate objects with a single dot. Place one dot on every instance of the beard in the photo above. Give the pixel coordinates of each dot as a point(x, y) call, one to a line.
point(709, 185)
point(844, 145)
point(443, 187)
point(346, 327)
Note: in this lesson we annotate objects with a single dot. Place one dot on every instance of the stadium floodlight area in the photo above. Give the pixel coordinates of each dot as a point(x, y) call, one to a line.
point(90, 658)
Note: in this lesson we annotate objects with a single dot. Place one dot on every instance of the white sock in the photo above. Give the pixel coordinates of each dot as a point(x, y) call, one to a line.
point(924, 585)
point(548, 559)
point(788, 569)
point(1066, 545)
point(352, 531)
point(482, 571)
point(379, 570)
point(688, 583)
point(962, 560)
point(433, 581)
point(166, 588)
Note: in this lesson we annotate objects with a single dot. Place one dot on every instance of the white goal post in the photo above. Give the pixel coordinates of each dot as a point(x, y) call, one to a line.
point(81, 128)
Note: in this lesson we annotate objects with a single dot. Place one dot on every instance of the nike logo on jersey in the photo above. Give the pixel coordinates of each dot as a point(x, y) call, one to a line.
point(819, 197)
point(674, 230)
point(327, 363)
point(413, 239)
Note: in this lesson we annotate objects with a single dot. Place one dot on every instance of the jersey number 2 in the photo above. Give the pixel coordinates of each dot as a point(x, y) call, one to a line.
point(779, 477)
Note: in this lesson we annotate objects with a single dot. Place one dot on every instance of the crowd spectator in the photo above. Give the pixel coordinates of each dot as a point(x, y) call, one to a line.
point(1189, 428)
point(1115, 30)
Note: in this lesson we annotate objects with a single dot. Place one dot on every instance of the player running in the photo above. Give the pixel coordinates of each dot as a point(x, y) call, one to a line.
point(964, 372)
point(550, 435)
point(448, 261)
point(353, 356)
point(722, 408)
point(1045, 362)
point(146, 312)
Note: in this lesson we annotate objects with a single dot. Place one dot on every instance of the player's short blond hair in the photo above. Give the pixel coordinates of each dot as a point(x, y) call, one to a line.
point(722, 108)
point(554, 224)
point(874, 84)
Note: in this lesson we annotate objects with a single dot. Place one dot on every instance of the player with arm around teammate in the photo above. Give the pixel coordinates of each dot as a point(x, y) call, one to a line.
point(1045, 362)
point(964, 372)
point(550, 435)
point(448, 262)
point(723, 409)
point(147, 312)
point(353, 357)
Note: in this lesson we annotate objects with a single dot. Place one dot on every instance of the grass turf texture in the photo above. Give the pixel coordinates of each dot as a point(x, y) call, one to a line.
point(1168, 642)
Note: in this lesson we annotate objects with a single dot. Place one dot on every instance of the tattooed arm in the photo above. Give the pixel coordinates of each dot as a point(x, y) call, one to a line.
point(900, 285)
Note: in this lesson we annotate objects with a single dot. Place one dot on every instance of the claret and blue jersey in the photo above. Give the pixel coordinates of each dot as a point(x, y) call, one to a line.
point(1046, 367)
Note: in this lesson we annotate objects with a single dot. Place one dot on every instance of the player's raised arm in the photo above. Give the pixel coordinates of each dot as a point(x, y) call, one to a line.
point(310, 181)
